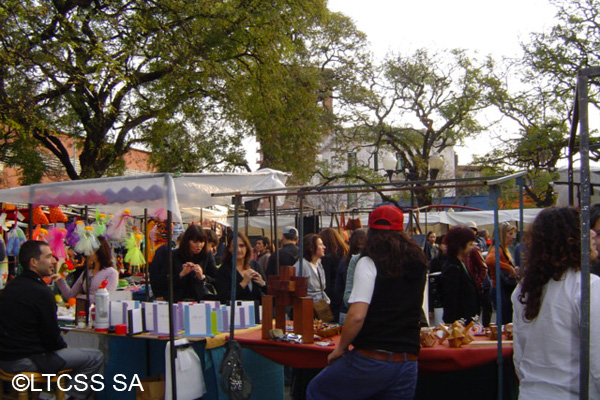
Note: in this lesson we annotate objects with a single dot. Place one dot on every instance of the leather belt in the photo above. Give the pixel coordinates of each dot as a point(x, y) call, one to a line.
point(388, 356)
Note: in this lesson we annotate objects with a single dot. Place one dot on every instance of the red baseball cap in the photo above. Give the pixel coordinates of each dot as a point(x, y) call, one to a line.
point(388, 218)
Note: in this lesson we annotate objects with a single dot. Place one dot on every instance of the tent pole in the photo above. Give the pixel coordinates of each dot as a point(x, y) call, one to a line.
point(146, 250)
point(234, 251)
point(277, 242)
point(300, 234)
point(584, 179)
point(494, 195)
point(172, 349)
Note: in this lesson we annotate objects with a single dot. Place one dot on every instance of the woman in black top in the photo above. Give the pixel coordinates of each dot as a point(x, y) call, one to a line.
point(459, 291)
point(250, 283)
point(193, 268)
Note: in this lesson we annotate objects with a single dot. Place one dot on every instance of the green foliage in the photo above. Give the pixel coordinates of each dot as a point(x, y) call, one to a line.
point(417, 105)
point(170, 75)
point(568, 47)
point(541, 108)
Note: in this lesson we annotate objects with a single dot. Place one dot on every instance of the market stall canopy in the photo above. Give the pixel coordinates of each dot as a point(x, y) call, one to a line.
point(152, 191)
point(481, 218)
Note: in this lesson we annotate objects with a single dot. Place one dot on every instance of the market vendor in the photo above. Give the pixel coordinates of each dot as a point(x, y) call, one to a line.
point(383, 319)
point(99, 268)
point(30, 339)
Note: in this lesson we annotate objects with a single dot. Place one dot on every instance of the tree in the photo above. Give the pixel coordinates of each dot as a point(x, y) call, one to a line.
point(568, 47)
point(417, 105)
point(539, 127)
point(114, 74)
point(541, 107)
point(289, 104)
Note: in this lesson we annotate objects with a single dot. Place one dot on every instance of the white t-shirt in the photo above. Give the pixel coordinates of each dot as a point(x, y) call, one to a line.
point(364, 281)
point(546, 350)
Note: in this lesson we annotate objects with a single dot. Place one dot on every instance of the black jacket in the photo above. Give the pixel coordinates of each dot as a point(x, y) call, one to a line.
point(28, 323)
point(224, 284)
point(188, 287)
point(288, 255)
point(459, 292)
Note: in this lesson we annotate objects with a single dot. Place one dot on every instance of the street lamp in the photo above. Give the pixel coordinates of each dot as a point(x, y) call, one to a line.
point(436, 163)
point(390, 164)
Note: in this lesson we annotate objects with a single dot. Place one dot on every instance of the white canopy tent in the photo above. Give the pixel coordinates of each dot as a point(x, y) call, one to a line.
point(152, 191)
point(481, 218)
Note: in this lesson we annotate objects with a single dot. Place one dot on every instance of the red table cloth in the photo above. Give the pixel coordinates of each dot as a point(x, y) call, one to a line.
point(439, 358)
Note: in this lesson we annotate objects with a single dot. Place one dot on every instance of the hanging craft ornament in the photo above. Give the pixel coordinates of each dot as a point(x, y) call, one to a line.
point(159, 214)
point(72, 236)
point(14, 238)
point(100, 224)
point(88, 243)
point(3, 220)
point(39, 218)
point(117, 229)
point(40, 234)
point(56, 240)
point(134, 256)
point(56, 215)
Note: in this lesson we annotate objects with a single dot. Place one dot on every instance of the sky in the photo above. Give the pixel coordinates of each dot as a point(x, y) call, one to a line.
point(484, 27)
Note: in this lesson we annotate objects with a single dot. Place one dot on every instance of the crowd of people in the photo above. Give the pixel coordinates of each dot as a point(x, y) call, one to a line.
point(373, 285)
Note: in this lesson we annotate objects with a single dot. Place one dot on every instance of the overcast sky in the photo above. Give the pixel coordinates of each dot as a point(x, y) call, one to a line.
point(486, 27)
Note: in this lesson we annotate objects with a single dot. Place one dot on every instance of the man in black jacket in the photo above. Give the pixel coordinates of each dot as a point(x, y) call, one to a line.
point(287, 254)
point(30, 338)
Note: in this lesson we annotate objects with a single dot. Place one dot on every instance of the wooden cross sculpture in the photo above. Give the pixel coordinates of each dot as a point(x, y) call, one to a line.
point(285, 290)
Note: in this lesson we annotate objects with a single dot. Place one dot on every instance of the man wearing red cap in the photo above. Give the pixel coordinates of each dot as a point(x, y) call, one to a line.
point(382, 322)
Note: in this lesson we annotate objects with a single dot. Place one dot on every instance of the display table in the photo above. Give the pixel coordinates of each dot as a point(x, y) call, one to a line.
point(439, 358)
point(144, 355)
point(470, 370)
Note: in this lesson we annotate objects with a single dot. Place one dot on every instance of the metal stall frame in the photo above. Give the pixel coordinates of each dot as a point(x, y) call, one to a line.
point(301, 192)
point(581, 120)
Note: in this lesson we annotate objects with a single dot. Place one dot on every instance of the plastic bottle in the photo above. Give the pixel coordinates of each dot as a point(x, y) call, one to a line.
point(102, 301)
point(81, 319)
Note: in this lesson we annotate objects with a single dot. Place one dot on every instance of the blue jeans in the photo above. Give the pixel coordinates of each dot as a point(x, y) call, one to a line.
point(355, 376)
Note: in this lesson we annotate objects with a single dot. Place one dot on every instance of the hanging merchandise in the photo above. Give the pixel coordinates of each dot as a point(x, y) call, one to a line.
point(134, 256)
point(72, 236)
point(117, 228)
point(100, 224)
point(56, 240)
point(40, 234)
point(14, 238)
point(55, 215)
point(88, 243)
point(159, 214)
point(39, 218)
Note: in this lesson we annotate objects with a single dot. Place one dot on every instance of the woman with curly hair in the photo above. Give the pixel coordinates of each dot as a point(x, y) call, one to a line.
point(546, 304)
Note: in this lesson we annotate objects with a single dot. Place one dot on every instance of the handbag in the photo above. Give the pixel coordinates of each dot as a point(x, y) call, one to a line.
point(234, 380)
point(205, 291)
point(323, 311)
point(321, 308)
